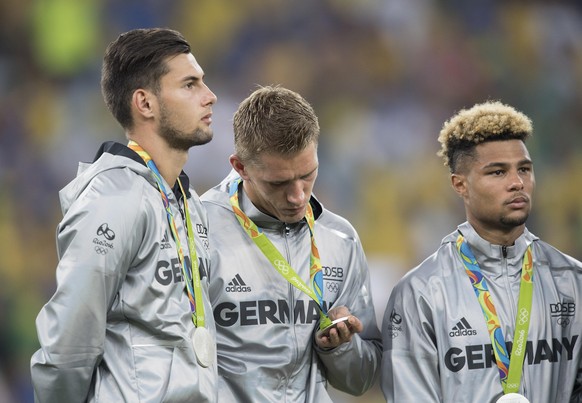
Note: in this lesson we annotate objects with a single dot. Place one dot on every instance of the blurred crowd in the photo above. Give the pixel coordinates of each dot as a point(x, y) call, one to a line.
point(383, 76)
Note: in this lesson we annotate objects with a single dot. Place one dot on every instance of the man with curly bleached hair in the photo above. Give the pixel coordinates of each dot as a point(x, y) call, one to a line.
point(491, 315)
point(483, 122)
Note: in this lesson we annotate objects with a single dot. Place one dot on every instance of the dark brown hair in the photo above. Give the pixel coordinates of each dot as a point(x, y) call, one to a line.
point(137, 59)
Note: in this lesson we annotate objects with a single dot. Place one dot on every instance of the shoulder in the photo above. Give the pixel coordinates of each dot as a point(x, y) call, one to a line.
point(119, 186)
point(434, 269)
point(336, 225)
point(116, 195)
point(554, 258)
point(217, 197)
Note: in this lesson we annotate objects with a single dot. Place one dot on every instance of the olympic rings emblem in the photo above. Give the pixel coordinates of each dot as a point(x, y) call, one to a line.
point(563, 322)
point(282, 266)
point(100, 250)
point(332, 286)
point(523, 316)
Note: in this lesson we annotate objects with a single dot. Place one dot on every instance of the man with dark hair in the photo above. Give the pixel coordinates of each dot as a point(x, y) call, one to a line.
point(130, 319)
point(492, 315)
point(284, 267)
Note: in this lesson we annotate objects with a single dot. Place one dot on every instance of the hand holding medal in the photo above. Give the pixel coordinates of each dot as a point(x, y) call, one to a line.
point(341, 329)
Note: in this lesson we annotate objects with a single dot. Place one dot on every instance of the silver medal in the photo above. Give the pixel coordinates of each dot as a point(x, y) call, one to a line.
point(512, 398)
point(204, 346)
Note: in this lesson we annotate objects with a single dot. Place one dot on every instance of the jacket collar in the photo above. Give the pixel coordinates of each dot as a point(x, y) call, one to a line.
point(492, 258)
point(118, 149)
point(267, 221)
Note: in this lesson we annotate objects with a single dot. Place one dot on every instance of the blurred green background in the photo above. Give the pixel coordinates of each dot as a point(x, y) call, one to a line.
point(383, 76)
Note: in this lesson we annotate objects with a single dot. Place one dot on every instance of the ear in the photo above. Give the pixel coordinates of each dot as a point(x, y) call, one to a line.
point(459, 184)
point(238, 166)
point(143, 103)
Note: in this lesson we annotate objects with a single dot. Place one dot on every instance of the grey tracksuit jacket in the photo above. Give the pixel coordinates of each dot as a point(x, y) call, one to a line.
point(118, 327)
point(265, 326)
point(436, 344)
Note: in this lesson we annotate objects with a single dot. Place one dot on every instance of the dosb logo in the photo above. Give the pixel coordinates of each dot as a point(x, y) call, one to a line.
point(333, 272)
point(563, 309)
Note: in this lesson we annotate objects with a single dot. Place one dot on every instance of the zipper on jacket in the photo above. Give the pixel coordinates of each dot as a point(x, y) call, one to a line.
point(181, 209)
point(286, 231)
point(504, 251)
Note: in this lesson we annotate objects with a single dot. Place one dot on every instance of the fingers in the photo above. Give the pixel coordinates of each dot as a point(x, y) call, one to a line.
point(341, 333)
point(338, 312)
point(355, 325)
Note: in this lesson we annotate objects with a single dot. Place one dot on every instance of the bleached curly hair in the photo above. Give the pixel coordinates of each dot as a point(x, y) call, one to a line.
point(488, 121)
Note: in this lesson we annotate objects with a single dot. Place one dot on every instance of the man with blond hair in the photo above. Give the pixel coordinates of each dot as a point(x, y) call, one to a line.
point(284, 266)
point(492, 315)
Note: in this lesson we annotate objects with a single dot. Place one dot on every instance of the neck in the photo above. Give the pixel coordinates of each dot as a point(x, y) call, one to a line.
point(169, 161)
point(498, 236)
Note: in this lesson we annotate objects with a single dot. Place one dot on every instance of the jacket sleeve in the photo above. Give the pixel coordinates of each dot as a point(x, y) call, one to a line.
point(95, 241)
point(355, 366)
point(577, 390)
point(409, 362)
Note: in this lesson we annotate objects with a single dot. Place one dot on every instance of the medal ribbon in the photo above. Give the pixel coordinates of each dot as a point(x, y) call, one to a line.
point(277, 259)
point(509, 370)
point(191, 274)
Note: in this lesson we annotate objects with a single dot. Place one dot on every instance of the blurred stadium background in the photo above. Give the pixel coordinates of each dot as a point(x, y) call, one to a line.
point(383, 76)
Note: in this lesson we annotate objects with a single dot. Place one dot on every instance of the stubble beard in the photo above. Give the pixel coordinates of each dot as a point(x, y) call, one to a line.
point(179, 140)
point(512, 222)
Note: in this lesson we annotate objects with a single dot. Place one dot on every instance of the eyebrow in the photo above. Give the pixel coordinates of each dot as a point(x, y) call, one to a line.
point(312, 171)
point(289, 180)
point(191, 78)
point(525, 161)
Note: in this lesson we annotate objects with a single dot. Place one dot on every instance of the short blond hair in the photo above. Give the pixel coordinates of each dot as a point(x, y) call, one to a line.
point(488, 121)
point(273, 120)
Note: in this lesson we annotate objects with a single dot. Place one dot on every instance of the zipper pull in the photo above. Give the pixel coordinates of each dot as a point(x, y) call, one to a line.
point(181, 209)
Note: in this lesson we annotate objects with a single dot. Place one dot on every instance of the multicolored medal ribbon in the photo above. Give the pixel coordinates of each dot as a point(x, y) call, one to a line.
point(191, 273)
point(277, 259)
point(509, 370)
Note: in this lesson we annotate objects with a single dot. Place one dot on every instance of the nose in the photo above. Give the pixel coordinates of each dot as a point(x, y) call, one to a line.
point(296, 194)
point(210, 98)
point(516, 182)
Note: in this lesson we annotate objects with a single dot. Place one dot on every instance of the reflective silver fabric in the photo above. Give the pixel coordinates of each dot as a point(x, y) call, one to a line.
point(118, 326)
point(436, 344)
point(266, 350)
